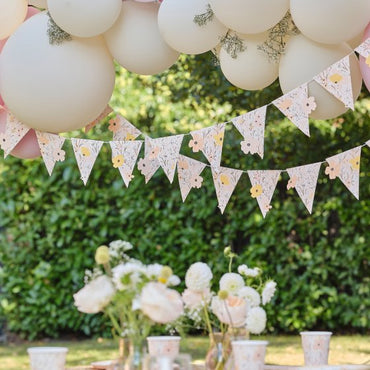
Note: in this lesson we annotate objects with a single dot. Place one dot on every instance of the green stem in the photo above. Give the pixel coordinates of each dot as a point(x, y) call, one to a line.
point(208, 322)
point(230, 262)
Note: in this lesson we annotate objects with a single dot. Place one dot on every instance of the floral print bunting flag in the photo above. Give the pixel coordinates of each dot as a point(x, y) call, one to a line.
point(364, 50)
point(346, 166)
point(304, 180)
point(107, 110)
point(263, 187)
point(337, 80)
point(368, 143)
point(124, 157)
point(209, 141)
point(297, 105)
point(251, 125)
point(148, 165)
point(51, 149)
point(188, 171)
point(123, 129)
point(225, 180)
point(86, 152)
point(14, 133)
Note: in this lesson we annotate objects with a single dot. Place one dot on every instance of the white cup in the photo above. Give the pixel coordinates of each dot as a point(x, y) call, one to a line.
point(249, 354)
point(315, 347)
point(164, 346)
point(47, 358)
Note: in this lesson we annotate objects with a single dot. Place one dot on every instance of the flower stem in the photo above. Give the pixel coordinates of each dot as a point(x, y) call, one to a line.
point(208, 322)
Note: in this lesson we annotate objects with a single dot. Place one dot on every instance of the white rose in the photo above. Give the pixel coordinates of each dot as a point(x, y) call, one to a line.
point(256, 320)
point(268, 292)
point(194, 299)
point(94, 296)
point(231, 311)
point(231, 282)
point(161, 304)
point(198, 277)
point(250, 295)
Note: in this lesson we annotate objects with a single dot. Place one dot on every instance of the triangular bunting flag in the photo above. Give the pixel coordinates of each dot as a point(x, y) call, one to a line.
point(346, 166)
point(251, 125)
point(51, 149)
point(14, 133)
point(86, 152)
point(296, 105)
point(368, 143)
point(364, 50)
point(107, 110)
point(188, 171)
point(149, 164)
point(337, 80)
point(122, 129)
point(225, 180)
point(166, 150)
point(209, 140)
point(304, 180)
point(263, 187)
point(124, 157)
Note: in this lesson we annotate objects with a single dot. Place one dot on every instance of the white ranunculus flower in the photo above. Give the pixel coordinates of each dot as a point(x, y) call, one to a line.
point(193, 300)
point(198, 277)
point(242, 269)
point(250, 295)
point(231, 311)
point(161, 304)
point(256, 320)
point(248, 272)
point(268, 291)
point(132, 271)
point(94, 296)
point(231, 282)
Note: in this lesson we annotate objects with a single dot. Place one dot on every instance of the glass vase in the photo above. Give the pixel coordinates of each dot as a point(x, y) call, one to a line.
point(135, 358)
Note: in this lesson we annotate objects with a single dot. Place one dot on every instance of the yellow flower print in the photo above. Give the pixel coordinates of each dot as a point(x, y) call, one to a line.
point(225, 180)
point(256, 191)
point(336, 78)
point(355, 163)
point(130, 137)
point(118, 161)
point(85, 151)
point(219, 138)
point(367, 60)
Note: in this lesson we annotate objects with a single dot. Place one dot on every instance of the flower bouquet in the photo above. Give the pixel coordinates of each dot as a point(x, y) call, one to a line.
point(235, 310)
point(133, 295)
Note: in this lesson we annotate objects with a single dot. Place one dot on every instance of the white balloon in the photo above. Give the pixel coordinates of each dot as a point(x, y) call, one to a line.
point(330, 21)
point(357, 40)
point(12, 14)
point(177, 26)
point(135, 41)
point(251, 69)
point(85, 18)
point(55, 88)
point(249, 16)
point(39, 3)
point(303, 60)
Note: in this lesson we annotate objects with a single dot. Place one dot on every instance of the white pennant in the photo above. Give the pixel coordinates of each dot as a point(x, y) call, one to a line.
point(364, 50)
point(225, 180)
point(337, 80)
point(124, 157)
point(368, 143)
point(123, 129)
point(107, 110)
point(251, 125)
point(346, 166)
point(296, 105)
point(51, 149)
point(304, 180)
point(209, 141)
point(148, 165)
point(263, 187)
point(188, 171)
point(14, 133)
point(86, 152)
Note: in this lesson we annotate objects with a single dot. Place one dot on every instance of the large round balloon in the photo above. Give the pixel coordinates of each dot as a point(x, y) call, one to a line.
point(365, 62)
point(177, 26)
point(330, 21)
point(84, 18)
point(54, 88)
point(12, 14)
point(303, 60)
point(135, 41)
point(249, 16)
point(42, 4)
point(251, 69)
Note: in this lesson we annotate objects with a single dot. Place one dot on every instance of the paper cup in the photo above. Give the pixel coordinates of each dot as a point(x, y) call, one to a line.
point(164, 346)
point(315, 347)
point(249, 354)
point(42, 358)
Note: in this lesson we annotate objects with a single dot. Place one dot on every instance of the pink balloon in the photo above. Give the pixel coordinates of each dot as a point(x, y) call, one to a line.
point(365, 68)
point(28, 147)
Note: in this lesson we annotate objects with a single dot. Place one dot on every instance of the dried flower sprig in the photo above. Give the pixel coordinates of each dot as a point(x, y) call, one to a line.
point(233, 44)
point(56, 35)
point(204, 18)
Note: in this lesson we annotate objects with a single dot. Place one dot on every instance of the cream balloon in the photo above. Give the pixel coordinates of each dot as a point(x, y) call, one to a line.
point(85, 18)
point(42, 4)
point(249, 16)
point(303, 60)
point(135, 41)
point(356, 41)
point(12, 14)
point(251, 69)
point(177, 26)
point(54, 88)
point(330, 21)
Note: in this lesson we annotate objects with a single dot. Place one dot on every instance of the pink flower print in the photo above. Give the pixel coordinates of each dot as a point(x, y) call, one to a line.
point(292, 182)
point(154, 153)
point(196, 182)
point(285, 104)
point(183, 165)
point(309, 105)
point(144, 166)
point(59, 155)
point(43, 140)
point(249, 145)
point(333, 170)
point(197, 143)
point(113, 125)
point(3, 141)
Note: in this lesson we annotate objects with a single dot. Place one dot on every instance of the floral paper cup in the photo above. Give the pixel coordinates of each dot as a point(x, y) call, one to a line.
point(249, 354)
point(164, 346)
point(315, 347)
point(42, 358)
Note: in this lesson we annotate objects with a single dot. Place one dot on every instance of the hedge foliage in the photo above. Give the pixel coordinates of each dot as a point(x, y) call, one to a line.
point(50, 226)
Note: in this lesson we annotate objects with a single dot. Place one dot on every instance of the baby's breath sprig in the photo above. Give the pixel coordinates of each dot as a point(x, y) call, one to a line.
point(233, 44)
point(204, 18)
point(56, 35)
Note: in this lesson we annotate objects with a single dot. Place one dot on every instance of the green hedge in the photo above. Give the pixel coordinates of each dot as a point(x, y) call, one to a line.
point(50, 226)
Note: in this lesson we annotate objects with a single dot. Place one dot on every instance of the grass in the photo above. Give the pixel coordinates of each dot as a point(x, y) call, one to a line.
point(282, 350)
